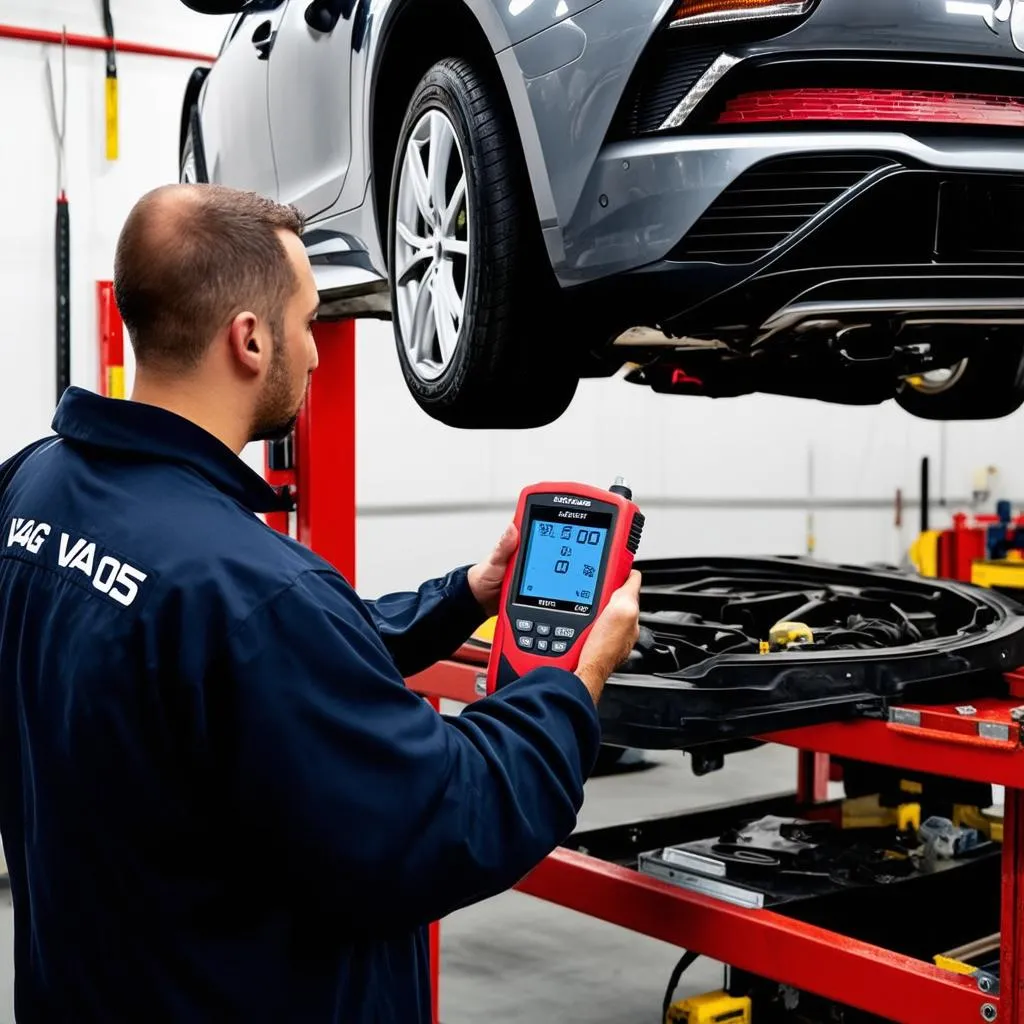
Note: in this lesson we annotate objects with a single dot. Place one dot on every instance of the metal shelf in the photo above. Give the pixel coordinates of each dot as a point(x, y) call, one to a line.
point(981, 744)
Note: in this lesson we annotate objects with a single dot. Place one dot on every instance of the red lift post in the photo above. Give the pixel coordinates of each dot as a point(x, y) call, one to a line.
point(111, 336)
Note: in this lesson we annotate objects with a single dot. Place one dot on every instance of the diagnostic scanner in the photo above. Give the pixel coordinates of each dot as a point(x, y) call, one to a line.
point(576, 548)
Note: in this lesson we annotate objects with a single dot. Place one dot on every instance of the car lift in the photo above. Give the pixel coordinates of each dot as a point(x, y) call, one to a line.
point(986, 746)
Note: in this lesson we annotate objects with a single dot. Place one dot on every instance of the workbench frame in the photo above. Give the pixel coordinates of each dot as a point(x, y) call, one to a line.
point(984, 747)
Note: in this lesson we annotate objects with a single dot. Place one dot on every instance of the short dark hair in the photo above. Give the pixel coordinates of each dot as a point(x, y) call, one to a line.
point(185, 268)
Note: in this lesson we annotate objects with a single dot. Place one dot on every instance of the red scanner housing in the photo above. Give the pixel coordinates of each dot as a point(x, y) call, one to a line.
point(576, 548)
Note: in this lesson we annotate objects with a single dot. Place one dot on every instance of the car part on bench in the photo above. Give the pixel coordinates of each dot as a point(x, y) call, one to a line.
point(855, 640)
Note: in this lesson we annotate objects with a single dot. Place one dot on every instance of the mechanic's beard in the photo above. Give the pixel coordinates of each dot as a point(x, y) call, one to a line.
point(277, 411)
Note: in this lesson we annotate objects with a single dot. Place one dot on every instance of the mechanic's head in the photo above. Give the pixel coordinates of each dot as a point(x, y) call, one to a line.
point(218, 297)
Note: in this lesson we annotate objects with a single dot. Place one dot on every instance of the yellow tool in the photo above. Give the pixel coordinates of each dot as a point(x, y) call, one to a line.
point(956, 966)
point(111, 89)
point(924, 553)
point(711, 1008)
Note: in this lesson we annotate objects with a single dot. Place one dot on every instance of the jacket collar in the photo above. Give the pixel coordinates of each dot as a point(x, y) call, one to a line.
point(149, 432)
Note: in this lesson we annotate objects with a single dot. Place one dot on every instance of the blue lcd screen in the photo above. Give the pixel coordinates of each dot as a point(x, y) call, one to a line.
point(562, 564)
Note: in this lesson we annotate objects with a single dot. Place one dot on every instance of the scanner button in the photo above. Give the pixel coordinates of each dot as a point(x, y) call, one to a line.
point(559, 647)
point(526, 641)
point(565, 631)
point(524, 625)
point(542, 645)
point(543, 629)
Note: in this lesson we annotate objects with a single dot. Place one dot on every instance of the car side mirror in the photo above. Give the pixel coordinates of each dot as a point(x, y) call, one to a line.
point(215, 6)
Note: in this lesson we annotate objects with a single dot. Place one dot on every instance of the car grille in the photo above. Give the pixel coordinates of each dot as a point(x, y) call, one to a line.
point(770, 202)
point(661, 81)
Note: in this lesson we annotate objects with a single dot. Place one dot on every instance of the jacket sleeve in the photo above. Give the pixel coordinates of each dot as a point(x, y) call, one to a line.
point(370, 803)
point(425, 626)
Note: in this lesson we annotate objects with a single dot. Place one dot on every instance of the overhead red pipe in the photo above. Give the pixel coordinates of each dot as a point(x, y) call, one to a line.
point(37, 35)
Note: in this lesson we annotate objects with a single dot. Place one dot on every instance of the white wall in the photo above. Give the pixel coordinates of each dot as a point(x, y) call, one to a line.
point(745, 451)
point(726, 476)
point(100, 193)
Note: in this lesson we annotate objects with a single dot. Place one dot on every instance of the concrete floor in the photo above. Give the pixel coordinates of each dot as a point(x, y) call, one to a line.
point(515, 958)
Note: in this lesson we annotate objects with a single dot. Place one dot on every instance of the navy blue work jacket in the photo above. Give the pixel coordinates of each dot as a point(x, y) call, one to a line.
point(219, 802)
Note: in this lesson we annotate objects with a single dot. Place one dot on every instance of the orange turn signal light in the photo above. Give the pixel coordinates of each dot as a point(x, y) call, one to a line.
point(711, 12)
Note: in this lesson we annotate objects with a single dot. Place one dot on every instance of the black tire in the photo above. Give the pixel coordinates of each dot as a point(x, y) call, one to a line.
point(193, 150)
point(988, 386)
point(510, 367)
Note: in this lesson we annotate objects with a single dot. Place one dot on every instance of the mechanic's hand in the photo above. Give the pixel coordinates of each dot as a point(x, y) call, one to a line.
point(486, 578)
point(612, 637)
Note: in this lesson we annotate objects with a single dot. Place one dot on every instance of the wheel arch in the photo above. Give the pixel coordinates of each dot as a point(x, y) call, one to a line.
point(191, 98)
point(411, 37)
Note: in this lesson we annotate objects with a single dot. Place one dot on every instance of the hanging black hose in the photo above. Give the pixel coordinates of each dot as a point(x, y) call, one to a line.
point(926, 497)
point(686, 961)
point(63, 267)
point(62, 241)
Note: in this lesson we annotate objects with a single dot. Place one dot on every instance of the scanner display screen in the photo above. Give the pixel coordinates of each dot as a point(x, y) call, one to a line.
point(562, 563)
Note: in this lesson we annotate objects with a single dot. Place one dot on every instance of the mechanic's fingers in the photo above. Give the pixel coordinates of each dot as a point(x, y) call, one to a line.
point(627, 597)
point(506, 545)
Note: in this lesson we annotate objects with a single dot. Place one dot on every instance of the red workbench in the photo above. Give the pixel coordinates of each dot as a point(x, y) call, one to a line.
point(985, 747)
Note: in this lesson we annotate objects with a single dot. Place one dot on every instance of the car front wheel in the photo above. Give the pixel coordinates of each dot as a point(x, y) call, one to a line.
point(474, 303)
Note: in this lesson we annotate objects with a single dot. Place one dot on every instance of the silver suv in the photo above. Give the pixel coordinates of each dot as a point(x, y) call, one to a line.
point(820, 198)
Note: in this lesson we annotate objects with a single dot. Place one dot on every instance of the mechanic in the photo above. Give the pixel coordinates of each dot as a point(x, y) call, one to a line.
point(220, 801)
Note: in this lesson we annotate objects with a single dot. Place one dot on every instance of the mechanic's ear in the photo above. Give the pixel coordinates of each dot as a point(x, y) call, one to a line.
point(246, 344)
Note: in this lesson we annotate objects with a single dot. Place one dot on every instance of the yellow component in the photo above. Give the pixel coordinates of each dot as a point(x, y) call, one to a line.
point(949, 964)
point(115, 382)
point(711, 1008)
point(867, 812)
point(998, 574)
point(909, 786)
point(924, 553)
point(486, 631)
point(782, 634)
point(763, 647)
point(112, 131)
point(908, 816)
point(966, 816)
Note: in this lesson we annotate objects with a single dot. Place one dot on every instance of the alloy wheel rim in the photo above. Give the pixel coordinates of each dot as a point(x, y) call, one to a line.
point(432, 257)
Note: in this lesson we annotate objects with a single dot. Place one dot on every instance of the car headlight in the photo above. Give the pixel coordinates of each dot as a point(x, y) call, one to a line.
point(713, 12)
